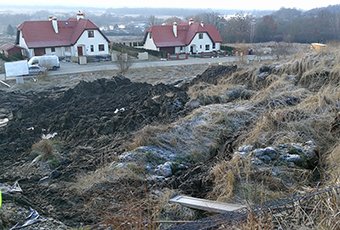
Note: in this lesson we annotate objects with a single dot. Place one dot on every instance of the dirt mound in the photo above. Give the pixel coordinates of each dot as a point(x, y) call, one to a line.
point(212, 74)
point(86, 112)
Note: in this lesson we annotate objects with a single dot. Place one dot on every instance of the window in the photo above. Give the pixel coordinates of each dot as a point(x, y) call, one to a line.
point(150, 35)
point(214, 46)
point(200, 46)
point(52, 49)
point(101, 47)
point(92, 48)
point(90, 33)
point(200, 36)
point(207, 47)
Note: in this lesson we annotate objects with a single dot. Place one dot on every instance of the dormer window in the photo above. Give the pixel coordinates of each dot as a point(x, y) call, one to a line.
point(90, 33)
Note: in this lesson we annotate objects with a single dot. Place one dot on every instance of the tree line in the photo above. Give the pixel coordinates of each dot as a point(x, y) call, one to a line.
point(289, 25)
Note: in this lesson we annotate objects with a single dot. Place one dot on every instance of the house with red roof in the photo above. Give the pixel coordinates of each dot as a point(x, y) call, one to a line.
point(10, 50)
point(191, 37)
point(70, 38)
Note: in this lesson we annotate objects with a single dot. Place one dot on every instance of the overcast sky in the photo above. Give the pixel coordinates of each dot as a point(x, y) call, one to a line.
point(211, 4)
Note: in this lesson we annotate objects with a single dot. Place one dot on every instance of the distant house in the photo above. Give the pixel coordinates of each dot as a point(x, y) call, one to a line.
point(191, 37)
point(71, 38)
point(10, 50)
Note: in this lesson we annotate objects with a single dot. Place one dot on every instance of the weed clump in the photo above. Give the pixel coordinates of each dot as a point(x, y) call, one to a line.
point(45, 150)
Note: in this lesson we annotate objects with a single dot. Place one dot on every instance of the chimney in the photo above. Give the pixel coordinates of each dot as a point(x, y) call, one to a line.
point(174, 28)
point(191, 21)
point(80, 15)
point(202, 24)
point(54, 24)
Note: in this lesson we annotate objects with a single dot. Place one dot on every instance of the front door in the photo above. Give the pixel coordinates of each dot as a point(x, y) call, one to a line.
point(80, 51)
point(193, 49)
point(39, 51)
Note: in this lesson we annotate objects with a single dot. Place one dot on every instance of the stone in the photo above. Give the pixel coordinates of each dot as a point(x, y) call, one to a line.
point(164, 169)
point(269, 152)
point(266, 159)
point(245, 148)
point(295, 158)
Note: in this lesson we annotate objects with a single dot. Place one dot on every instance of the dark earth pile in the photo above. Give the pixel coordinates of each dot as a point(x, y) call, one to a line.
point(90, 110)
point(87, 119)
point(92, 120)
point(213, 74)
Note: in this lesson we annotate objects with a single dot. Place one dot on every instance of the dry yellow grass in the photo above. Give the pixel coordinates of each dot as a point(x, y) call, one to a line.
point(147, 136)
point(333, 165)
point(43, 148)
point(107, 173)
point(226, 175)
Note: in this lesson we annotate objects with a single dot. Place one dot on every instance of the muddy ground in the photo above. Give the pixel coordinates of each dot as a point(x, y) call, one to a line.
point(93, 121)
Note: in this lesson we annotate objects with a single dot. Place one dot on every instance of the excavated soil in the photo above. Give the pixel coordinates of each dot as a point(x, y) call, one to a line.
point(91, 120)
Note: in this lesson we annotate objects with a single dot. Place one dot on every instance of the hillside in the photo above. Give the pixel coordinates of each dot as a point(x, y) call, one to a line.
point(111, 152)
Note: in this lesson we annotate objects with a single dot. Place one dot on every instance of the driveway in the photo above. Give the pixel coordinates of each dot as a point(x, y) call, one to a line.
point(73, 68)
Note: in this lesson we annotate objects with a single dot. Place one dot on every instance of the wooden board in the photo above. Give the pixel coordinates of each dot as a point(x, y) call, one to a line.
point(206, 205)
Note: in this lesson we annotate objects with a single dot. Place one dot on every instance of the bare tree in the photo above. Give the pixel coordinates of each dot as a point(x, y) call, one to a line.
point(171, 20)
point(238, 28)
point(153, 20)
point(281, 49)
point(123, 62)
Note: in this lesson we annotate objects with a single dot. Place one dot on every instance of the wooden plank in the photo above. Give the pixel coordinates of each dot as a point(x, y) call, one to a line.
point(206, 205)
point(4, 83)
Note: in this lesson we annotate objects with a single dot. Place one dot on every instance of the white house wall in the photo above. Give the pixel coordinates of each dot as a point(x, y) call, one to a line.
point(86, 42)
point(22, 43)
point(200, 43)
point(183, 49)
point(149, 43)
point(59, 51)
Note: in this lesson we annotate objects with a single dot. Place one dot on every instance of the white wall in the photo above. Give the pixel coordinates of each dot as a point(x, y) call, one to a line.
point(201, 43)
point(85, 41)
point(149, 43)
point(184, 49)
point(22, 43)
point(59, 51)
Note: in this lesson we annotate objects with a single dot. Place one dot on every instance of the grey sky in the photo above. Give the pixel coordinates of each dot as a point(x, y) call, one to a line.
point(212, 4)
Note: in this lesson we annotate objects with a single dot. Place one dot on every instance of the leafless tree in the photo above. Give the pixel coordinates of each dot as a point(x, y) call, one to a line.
point(123, 62)
point(281, 49)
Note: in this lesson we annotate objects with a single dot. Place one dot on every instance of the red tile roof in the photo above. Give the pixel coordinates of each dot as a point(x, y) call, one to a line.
point(41, 33)
point(9, 46)
point(163, 35)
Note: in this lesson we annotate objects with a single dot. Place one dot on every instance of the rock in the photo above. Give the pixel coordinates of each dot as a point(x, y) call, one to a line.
point(262, 76)
point(265, 69)
point(295, 149)
point(266, 159)
point(164, 169)
point(193, 104)
point(295, 158)
point(245, 148)
point(256, 161)
point(266, 154)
